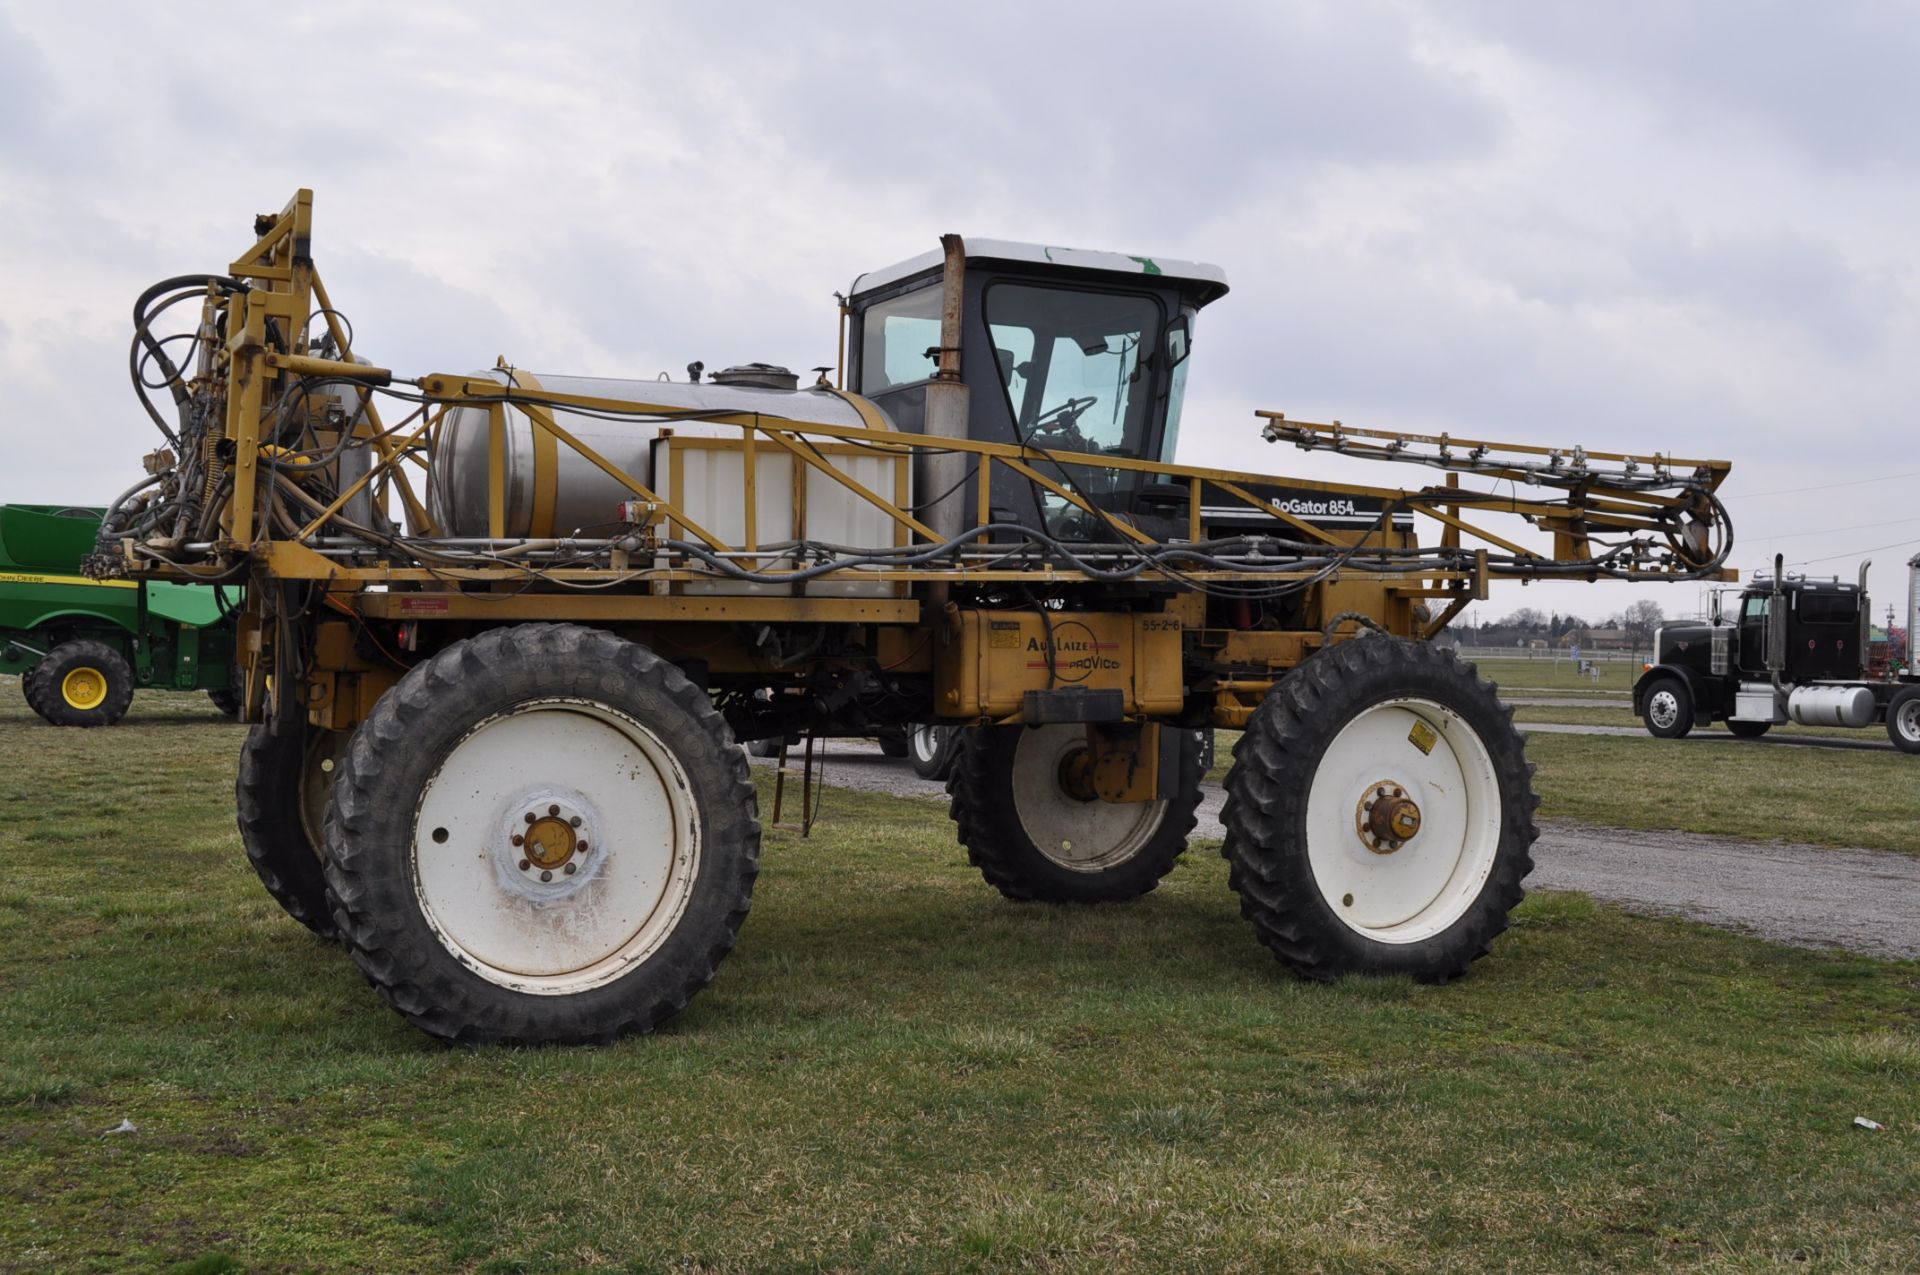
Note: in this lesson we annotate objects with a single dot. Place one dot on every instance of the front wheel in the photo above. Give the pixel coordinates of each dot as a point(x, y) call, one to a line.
point(1668, 709)
point(80, 683)
point(1379, 814)
point(542, 835)
point(1903, 720)
point(1034, 837)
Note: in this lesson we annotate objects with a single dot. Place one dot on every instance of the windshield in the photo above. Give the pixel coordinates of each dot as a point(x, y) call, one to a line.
point(1071, 364)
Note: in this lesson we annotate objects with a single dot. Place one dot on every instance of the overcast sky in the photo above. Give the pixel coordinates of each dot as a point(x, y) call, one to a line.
point(1630, 226)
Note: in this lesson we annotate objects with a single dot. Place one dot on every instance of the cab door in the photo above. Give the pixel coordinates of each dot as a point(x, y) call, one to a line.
point(1754, 613)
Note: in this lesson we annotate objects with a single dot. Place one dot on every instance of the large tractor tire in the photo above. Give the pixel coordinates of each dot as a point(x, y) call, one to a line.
point(931, 750)
point(1033, 839)
point(1379, 814)
point(80, 683)
point(281, 796)
point(1668, 709)
point(1903, 720)
point(542, 835)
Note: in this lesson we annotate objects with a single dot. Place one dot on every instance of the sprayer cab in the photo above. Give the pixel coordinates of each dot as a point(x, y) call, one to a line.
point(1057, 348)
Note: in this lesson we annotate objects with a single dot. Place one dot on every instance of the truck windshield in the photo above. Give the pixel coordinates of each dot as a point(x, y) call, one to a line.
point(1076, 365)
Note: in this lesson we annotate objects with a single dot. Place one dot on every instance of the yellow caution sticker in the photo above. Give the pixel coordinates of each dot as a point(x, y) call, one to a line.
point(1004, 636)
point(1422, 736)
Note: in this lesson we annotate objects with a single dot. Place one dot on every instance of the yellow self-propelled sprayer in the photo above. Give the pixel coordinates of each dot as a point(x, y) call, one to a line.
point(503, 631)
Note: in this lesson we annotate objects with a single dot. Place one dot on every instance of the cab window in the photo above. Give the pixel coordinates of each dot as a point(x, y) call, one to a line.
point(895, 337)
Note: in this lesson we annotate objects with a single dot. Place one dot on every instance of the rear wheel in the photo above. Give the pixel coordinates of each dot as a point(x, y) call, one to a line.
point(1034, 839)
point(1379, 814)
point(226, 699)
point(544, 834)
point(80, 683)
point(1668, 709)
point(1749, 730)
point(1903, 720)
point(893, 743)
point(281, 796)
point(931, 750)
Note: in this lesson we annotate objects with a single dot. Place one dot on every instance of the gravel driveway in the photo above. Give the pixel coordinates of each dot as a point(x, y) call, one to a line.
point(1865, 901)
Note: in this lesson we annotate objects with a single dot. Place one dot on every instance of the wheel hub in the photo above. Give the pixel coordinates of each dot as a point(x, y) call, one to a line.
point(1386, 817)
point(1076, 775)
point(84, 688)
point(551, 841)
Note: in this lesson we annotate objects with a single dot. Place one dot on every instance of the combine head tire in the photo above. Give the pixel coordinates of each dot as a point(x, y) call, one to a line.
point(1034, 840)
point(1379, 814)
point(1668, 709)
point(931, 750)
point(542, 835)
point(80, 683)
point(281, 796)
point(1903, 720)
point(227, 700)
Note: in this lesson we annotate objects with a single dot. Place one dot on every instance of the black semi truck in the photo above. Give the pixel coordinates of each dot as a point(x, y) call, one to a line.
point(1796, 651)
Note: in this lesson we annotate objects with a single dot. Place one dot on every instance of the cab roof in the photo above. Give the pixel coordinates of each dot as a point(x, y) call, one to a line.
point(1206, 282)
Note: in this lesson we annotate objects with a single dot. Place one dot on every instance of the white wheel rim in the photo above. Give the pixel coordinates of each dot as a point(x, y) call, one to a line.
point(1663, 710)
point(1083, 836)
point(1431, 754)
point(319, 763)
point(925, 741)
point(1909, 720)
point(634, 852)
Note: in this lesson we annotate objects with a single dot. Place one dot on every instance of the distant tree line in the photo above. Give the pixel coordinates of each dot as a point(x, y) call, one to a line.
point(1631, 628)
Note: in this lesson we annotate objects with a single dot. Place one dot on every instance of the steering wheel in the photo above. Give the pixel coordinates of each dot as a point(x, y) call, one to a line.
point(1064, 418)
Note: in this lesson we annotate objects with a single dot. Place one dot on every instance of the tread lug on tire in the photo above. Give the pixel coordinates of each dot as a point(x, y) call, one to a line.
point(1331, 887)
point(80, 683)
point(541, 835)
point(281, 795)
point(1033, 841)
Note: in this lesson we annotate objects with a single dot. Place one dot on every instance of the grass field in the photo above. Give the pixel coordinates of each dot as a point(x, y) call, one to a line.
point(1616, 676)
point(897, 1070)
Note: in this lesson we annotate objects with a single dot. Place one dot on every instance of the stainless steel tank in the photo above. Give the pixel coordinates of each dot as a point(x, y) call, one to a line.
point(1831, 706)
point(584, 497)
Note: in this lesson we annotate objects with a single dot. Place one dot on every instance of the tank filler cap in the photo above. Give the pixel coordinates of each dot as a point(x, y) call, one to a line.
point(765, 376)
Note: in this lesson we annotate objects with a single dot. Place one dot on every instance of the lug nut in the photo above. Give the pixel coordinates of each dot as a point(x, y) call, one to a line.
point(572, 868)
point(517, 839)
point(553, 810)
point(524, 865)
point(531, 816)
point(546, 876)
point(581, 846)
point(575, 821)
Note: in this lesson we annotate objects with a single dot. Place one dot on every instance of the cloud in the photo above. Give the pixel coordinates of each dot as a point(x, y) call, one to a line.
point(1834, 81)
point(1674, 226)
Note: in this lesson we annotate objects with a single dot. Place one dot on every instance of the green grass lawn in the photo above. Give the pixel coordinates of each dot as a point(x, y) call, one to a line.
point(1616, 676)
point(1816, 795)
point(898, 1070)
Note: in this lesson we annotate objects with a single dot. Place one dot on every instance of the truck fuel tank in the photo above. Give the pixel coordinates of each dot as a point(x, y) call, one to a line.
point(1831, 706)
